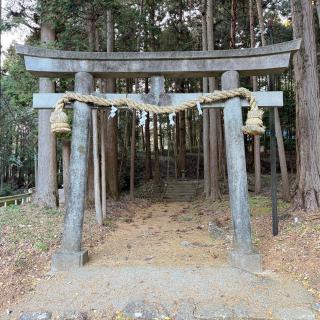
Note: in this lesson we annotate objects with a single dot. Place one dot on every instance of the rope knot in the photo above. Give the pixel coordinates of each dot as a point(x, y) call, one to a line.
point(254, 124)
point(59, 122)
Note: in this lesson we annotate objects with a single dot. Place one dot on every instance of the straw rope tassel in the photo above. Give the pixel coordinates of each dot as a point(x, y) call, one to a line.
point(253, 125)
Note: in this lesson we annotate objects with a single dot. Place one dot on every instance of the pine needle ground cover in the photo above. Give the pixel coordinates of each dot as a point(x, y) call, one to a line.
point(156, 234)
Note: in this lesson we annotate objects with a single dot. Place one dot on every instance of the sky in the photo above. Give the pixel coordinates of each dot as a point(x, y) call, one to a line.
point(15, 35)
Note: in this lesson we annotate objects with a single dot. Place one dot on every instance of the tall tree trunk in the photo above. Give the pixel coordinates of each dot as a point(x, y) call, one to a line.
point(148, 170)
point(90, 181)
point(214, 116)
point(112, 124)
point(234, 4)
point(318, 11)
point(182, 143)
point(152, 21)
point(281, 150)
point(198, 128)
point(161, 134)
point(205, 117)
point(256, 139)
point(47, 188)
point(177, 144)
point(283, 162)
point(133, 153)
point(96, 164)
point(90, 199)
point(35, 160)
point(126, 141)
point(307, 194)
point(156, 176)
point(261, 22)
point(143, 142)
point(103, 164)
point(190, 130)
point(91, 31)
point(66, 150)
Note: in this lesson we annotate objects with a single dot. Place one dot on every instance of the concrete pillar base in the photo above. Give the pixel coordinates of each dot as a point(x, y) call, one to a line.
point(67, 261)
point(251, 262)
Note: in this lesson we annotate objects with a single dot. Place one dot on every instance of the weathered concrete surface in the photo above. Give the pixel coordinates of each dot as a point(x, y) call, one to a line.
point(237, 179)
point(72, 233)
point(256, 61)
point(264, 99)
point(250, 261)
point(68, 261)
point(157, 90)
point(183, 292)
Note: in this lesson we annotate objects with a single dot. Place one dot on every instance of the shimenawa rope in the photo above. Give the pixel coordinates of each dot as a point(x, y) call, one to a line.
point(253, 126)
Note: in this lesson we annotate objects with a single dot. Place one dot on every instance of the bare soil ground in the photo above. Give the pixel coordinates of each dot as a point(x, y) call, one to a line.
point(163, 234)
point(29, 235)
point(166, 234)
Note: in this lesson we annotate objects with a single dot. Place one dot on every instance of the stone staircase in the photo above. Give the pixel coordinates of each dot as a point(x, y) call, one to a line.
point(182, 190)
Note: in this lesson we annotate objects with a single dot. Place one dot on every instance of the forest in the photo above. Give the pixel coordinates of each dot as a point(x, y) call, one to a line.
point(165, 151)
point(170, 215)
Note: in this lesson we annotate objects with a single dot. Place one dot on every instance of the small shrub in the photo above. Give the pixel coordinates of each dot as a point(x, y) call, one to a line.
point(41, 246)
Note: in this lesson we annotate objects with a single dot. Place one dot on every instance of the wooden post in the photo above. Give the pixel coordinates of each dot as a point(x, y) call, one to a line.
point(70, 255)
point(205, 117)
point(133, 152)
point(273, 164)
point(103, 165)
point(243, 255)
point(66, 149)
point(256, 139)
point(96, 167)
point(35, 160)
point(282, 157)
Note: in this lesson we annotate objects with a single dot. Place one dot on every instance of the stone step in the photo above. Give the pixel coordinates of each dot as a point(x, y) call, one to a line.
point(183, 190)
point(177, 199)
point(179, 196)
point(180, 191)
point(182, 187)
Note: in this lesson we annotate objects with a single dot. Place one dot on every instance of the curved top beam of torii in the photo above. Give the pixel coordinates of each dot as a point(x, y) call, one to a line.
point(256, 61)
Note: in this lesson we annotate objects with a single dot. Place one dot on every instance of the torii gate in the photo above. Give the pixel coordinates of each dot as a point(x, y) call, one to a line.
point(84, 66)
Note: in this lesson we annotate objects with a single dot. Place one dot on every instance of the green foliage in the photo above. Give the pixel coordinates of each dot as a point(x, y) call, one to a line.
point(19, 12)
point(17, 120)
point(41, 246)
point(6, 190)
point(10, 216)
point(17, 84)
point(139, 26)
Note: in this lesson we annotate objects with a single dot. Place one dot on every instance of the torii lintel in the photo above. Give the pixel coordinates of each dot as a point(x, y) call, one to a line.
point(248, 62)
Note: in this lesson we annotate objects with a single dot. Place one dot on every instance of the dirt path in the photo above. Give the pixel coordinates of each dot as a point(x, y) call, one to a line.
point(159, 261)
point(161, 234)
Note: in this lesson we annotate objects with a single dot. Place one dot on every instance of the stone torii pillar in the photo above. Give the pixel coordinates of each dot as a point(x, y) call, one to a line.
point(71, 255)
point(230, 63)
point(243, 255)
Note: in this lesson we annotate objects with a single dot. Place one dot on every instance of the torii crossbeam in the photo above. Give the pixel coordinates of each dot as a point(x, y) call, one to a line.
point(84, 66)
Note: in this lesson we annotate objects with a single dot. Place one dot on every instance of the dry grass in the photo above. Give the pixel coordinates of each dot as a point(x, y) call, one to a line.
point(30, 234)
